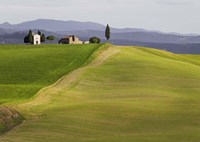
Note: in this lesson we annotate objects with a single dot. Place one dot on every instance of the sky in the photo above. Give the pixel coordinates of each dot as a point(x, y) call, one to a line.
point(180, 16)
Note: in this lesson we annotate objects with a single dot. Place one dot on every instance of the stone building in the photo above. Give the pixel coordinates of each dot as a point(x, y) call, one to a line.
point(70, 40)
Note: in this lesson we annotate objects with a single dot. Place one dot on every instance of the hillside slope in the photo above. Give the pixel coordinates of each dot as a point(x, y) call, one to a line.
point(25, 69)
point(126, 94)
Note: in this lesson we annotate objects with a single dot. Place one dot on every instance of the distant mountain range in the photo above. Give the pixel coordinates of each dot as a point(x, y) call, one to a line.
point(56, 26)
point(14, 33)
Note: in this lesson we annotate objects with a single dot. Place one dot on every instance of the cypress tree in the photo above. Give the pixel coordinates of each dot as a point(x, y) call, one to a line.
point(39, 32)
point(30, 37)
point(107, 32)
point(26, 40)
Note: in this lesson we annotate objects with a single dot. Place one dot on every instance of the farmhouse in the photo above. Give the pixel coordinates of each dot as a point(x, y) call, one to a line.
point(36, 38)
point(70, 40)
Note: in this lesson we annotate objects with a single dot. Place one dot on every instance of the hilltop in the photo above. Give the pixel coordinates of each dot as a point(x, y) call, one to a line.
point(123, 94)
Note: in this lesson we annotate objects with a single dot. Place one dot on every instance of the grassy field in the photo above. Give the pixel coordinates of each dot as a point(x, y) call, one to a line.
point(26, 69)
point(128, 94)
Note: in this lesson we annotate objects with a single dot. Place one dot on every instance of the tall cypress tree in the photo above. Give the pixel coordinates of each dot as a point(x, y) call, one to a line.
point(43, 38)
point(39, 32)
point(30, 37)
point(107, 32)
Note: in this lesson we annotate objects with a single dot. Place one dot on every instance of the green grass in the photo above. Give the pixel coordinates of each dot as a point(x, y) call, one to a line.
point(136, 95)
point(25, 69)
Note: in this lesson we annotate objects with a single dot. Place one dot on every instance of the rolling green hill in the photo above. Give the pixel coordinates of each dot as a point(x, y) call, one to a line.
point(127, 94)
point(24, 69)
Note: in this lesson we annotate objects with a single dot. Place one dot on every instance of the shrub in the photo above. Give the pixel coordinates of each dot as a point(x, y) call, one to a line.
point(95, 40)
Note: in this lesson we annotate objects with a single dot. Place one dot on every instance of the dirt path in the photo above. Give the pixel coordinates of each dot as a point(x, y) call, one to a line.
point(47, 94)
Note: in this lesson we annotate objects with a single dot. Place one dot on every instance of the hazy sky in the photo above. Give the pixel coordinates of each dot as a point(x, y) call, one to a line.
point(181, 16)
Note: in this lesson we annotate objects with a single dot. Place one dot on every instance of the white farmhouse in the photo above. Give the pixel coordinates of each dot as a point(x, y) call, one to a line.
point(36, 38)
